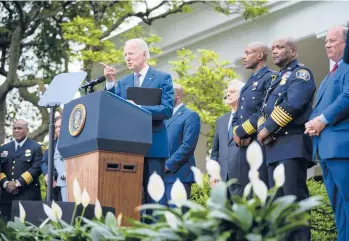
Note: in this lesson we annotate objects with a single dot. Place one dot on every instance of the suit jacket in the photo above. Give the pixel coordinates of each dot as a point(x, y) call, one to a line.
point(59, 164)
point(22, 165)
point(183, 133)
point(333, 102)
point(44, 163)
point(153, 79)
point(225, 151)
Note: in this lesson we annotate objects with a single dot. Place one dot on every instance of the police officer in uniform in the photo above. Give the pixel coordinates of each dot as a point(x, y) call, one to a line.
point(287, 107)
point(249, 107)
point(20, 168)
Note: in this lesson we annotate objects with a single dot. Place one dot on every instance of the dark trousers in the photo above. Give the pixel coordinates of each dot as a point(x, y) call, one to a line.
point(56, 194)
point(295, 184)
point(335, 174)
point(238, 168)
point(151, 165)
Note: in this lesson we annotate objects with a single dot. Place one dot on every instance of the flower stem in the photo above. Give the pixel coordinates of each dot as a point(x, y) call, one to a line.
point(73, 216)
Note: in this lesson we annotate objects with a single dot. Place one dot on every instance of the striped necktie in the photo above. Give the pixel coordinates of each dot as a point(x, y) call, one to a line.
point(137, 81)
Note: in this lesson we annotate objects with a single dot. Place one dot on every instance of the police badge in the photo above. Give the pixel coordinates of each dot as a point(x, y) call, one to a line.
point(28, 153)
point(77, 120)
point(285, 77)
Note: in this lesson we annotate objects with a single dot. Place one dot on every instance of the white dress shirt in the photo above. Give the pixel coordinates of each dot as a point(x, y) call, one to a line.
point(21, 143)
point(176, 108)
point(143, 73)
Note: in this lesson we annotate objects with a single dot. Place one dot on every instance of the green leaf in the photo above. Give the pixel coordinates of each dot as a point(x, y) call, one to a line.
point(307, 204)
point(218, 197)
point(254, 237)
point(244, 215)
point(280, 205)
point(110, 220)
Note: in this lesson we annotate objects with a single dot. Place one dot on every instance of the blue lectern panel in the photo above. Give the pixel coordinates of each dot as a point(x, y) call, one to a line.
point(111, 124)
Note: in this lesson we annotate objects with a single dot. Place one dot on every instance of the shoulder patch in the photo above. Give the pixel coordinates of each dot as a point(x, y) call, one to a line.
point(273, 77)
point(303, 74)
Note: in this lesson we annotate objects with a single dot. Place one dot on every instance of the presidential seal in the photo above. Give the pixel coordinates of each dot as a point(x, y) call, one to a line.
point(77, 120)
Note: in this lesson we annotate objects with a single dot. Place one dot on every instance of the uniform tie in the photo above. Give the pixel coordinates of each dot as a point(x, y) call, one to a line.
point(334, 68)
point(137, 81)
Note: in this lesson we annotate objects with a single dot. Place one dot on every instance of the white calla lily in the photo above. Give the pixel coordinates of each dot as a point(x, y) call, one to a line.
point(172, 220)
point(85, 198)
point(279, 175)
point(254, 155)
point(178, 192)
point(247, 190)
point(22, 213)
point(198, 177)
point(261, 190)
point(76, 192)
point(253, 175)
point(119, 219)
point(213, 169)
point(98, 210)
point(156, 187)
point(54, 213)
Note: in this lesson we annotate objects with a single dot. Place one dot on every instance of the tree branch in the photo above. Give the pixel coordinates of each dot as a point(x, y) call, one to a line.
point(21, 15)
point(32, 28)
point(178, 9)
point(27, 83)
point(42, 131)
point(145, 15)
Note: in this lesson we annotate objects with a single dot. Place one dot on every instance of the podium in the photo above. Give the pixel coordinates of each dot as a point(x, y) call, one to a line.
point(104, 139)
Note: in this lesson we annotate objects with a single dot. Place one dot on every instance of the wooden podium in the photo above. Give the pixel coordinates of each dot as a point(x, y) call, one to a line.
point(104, 139)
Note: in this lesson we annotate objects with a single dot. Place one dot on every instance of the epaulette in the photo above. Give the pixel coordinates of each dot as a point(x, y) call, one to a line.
point(43, 147)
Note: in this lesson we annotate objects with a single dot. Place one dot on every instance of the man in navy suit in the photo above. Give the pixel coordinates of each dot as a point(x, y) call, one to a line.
point(224, 149)
point(136, 55)
point(329, 126)
point(183, 133)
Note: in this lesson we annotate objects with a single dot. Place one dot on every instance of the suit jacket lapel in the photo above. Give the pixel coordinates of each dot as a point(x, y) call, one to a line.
point(225, 122)
point(148, 77)
point(325, 83)
point(176, 115)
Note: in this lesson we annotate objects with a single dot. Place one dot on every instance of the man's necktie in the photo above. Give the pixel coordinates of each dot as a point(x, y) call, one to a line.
point(230, 130)
point(137, 81)
point(334, 68)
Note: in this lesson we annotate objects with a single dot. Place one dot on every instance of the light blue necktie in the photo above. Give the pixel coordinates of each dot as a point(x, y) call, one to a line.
point(230, 132)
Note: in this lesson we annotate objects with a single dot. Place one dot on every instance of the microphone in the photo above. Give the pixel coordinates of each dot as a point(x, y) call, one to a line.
point(93, 82)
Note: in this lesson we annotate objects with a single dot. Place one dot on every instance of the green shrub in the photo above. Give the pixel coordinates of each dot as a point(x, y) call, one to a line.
point(322, 220)
point(200, 195)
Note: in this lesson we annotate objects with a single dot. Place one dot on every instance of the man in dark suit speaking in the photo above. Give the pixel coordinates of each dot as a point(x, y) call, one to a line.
point(136, 55)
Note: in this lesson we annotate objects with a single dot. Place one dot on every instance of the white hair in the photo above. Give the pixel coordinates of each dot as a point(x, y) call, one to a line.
point(141, 44)
point(236, 83)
